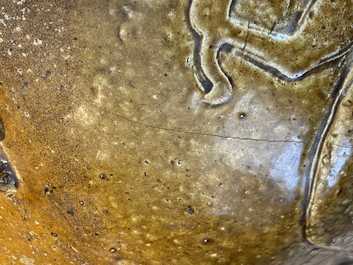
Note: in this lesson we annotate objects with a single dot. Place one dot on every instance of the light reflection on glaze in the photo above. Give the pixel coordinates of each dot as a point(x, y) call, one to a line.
point(285, 167)
point(341, 155)
point(271, 162)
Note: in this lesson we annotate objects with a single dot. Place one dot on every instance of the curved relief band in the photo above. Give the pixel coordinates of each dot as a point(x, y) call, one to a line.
point(211, 78)
point(216, 85)
point(343, 84)
point(293, 27)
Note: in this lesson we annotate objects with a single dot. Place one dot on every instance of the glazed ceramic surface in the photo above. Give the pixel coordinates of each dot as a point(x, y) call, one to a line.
point(191, 132)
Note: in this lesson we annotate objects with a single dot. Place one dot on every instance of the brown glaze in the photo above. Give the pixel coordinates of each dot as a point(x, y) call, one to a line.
point(119, 160)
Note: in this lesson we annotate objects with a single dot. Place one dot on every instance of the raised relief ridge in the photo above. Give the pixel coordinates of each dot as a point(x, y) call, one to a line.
point(215, 28)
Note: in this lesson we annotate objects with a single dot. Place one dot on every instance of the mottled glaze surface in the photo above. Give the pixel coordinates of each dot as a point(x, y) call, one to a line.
point(126, 152)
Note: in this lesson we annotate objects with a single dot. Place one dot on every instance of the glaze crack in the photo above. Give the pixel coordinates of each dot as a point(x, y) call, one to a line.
point(227, 137)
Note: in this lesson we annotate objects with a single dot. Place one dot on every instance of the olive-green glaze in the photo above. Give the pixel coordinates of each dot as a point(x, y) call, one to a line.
point(120, 160)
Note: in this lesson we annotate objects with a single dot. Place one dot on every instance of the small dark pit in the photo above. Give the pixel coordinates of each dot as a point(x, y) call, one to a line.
point(190, 210)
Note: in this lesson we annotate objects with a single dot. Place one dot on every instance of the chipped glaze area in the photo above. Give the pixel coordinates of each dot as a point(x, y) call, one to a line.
point(122, 163)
